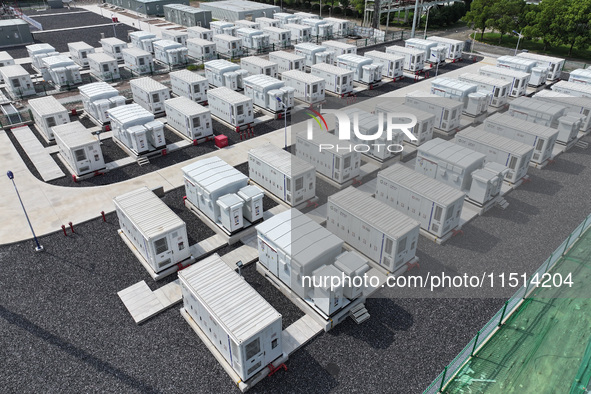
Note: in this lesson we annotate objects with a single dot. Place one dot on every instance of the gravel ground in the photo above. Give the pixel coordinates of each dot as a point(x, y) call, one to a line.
point(78, 19)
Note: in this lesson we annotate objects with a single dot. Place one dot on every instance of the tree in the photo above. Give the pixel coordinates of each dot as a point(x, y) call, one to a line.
point(576, 22)
point(345, 3)
point(479, 14)
point(544, 22)
point(504, 15)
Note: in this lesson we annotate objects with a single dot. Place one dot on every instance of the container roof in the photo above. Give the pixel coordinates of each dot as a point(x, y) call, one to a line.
point(125, 113)
point(399, 49)
point(287, 55)
point(80, 45)
point(281, 160)
point(454, 84)
point(213, 174)
point(98, 88)
point(135, 51)
point(47, 105)
point(199, 29)
point(259, 61)
point(577, 87)
point(447, 150)
point(504, 71)
point(383, 55)
point(229, 200)
point(237, 5)
point(477, 78)
point(74, 134)
point(200, 41)
point(186, 106)
point(433, 99)
point(529, 104)
point(301, 76)
point(167, 44)
point(188, 76)
point(337, 145)
point(228, 95)
point(398, 107)
point(444, 39)
point(338, 44)
point(499, 142)
point(5, 56)
point(59, 60)
point(263, 80)
point(148, 84)
point(513, 123)
point(113, 41)
point(543, 58)
point(13, 70)
point(330, 68)
point(274, 29)
point(101, 57)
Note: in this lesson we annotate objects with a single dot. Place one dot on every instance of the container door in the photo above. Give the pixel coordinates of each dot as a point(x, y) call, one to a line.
point(253, 353)
point(162, 253)
point(82, 162)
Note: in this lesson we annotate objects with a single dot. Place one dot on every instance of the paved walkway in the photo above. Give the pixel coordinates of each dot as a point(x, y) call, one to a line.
point(39, 155)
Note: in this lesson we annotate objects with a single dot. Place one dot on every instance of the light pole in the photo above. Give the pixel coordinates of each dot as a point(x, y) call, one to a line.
point(285, 120)
point(518, 39)
point(427, 21)
point(38, 248)
point(414, 19)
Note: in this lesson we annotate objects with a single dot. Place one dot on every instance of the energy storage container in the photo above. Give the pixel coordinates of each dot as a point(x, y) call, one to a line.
point(258, 66)
point(299, 33)
point(6, 59)
point(188, 84)
point(338, 80)
point(308, 88)
point(290, 179)
point(185, 15)
point(231, 107)
point(188, 117)
point(138, 61)
point(170, 53)
point(572, 88)
point(243, 23)
point(80, 149)
point(136, 128)
point(157, 233)
point(553, 64)
point(228, 45)
point(538, 75)
point(98, 98)
point(287, 61)
point(60, 70)
point(541, 138)
point(498, 89)
point(79, 52)
point(150, 94)
point(579, 105)
point(253, 39)
point(423, 130)
point(414, 59)
point(306, 15)
point(510, 153)
point(47, 113)
point(474, 105)
point(435, 205)
point(38, 51)
point(580, 76)
point(103, 66)
point(113, 47)
point(284, 18)
point(391, 64)
point(269, 93)
point(278, 37)
point(231, 212)
point(381, 147)
point(518, 79)
point(314, 54)
point(143, 40)
point(17, 81)
point(352, 264)
point(325, 152)
point(176, 36)
point(340, 48)
point(381, 233)
point(224, 73)
point(253, 202)
point(536, 111)
point(320, 29)
point(447, 111)
point(201, 49)
point(340, 27)
point(326, 297)
point(200, 32)
point(267, 22)
point(251, 333)
point(364, 70)
point(222, 27)
point(291, 245)
point(434, 52)
point(454, 47)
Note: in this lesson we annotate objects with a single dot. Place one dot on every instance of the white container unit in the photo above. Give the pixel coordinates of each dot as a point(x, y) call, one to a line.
point(474, 103)
point(201, 49)
point(253, 202)
point(266, 22)
point(38, 51)
point(98, 98)
point(381, 233)
point(231, 107)
point(176, 36)
point(138, 61)
point(290, 179)
point(391, 64)
point(17, 81)
point(306, 15)
point(103, 66)
point(314, 54)
point(258, 66)
point(339, 165)
point(537, 111)
point(321, 30)
point(224, 73)
point(579, 105)
point(553, 64)
point(278, 37)
point(434, 52)
point(136, 128)
point(61, 70)
point(113, 47)
point(380, 148)
point(454, 47)
point(188, 118)
point(79, 52)
point(170, 53)
point(243, 23)
point(364, 69)
point(200, 32)
point(268, 93)
point(284, 18)
point(447, 111)
point(228, 45)
point(572, 88)
point(6, 59)
point(222, 27)
point(510, 153)
point(287, 61)
point(538, 75)
point(498, 89)
point(188, 84)
point(580, 75)
point(423, 130)
point(47, 113)
point(338, 80)
point(253, 39)
point(251, 332)
point(79, 148)
point(340, 48)
point(542, 138)
point(340, 27)
point(518, 79)
point(155, 231)
point(150, 94)
point(414, 59)
point(308, 88)
point(435, 205)
point(299, 33)
point(143, 40)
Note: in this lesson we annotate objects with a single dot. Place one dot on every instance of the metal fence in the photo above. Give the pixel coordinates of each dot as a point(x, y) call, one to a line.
point(511, 305)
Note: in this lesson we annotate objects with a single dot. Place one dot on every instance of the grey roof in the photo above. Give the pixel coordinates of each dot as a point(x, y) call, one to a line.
point(80, 45)
point(258, 61)
point(59, 60)
point(281, 160)
point(136, 52)
point(148, 84)
point(399, 49)
point(101, 57)
point(331, 69)
point(513, 123)
point(499, 142)
point(213, 174)
point(236, 5)
point(447, 150)
point(384, 56)
point(338, 44)
point(98, 88)
point(113, 41)
point(125, 113)
point(477, 78)
point(336, 145)
point(74, 134)
point(186, 106)
point(47, 105)
point(504, 71)
point(433, 99)
point(301, 76)
point(228, 95)
point(528, 104)
point(397, 107)
point(14, 70)
point(287, 55)
point(188, 76)
point(264, 81)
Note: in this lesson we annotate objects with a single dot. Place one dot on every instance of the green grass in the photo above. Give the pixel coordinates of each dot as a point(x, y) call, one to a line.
point(510, 41)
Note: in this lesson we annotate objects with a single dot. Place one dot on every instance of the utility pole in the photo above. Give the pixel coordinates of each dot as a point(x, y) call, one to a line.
point(414, 19)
